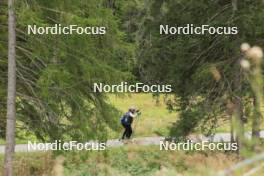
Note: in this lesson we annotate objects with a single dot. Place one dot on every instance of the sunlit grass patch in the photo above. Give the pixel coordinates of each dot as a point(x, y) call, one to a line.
point(36, 163)
point(155, 119)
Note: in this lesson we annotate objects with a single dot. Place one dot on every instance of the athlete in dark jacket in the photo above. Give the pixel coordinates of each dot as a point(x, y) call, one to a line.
point(127, 121)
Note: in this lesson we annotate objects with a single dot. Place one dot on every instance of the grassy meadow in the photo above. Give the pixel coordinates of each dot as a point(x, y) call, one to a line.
point(125, 161)
point(155, 119)
point(130, 160)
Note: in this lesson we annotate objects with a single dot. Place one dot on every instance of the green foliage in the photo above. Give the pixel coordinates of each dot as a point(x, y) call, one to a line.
point(3, 68)
point(198, 66)
point(134, 160)
point(55, 73)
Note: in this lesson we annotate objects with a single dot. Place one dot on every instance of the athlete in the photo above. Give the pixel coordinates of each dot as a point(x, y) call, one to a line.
point(127, 121)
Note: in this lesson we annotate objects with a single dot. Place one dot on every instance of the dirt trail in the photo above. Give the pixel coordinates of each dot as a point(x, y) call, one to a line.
point(219, 137)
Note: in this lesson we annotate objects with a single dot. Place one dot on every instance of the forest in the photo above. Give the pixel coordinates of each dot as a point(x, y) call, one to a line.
point(214, 74)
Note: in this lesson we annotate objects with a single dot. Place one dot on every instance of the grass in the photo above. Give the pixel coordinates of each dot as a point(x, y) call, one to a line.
point(29, 164)
point(124, 161)
point(24, 137)
point(225, 127)
point(144, 161)
point(149, 160)
point(130, 160)
point(156, 120)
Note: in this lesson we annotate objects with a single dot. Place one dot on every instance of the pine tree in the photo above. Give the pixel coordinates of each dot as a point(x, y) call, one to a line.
point(11, 92)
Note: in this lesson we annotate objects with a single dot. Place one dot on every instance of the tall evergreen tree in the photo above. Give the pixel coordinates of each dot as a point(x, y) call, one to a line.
point(11, 91)
point(203, 69)
point(55, 73)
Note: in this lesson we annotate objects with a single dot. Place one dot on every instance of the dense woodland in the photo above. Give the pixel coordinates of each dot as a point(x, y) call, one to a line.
point(55, 73)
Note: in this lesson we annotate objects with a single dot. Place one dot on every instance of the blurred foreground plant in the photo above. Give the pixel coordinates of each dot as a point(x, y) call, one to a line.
point(252, 65)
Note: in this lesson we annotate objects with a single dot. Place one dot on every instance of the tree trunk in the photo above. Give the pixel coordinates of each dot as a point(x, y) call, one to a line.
point(255, 123)
point(234, 4)
point(257, 87)
point(239, 123)
point(232, 135)
point(239, 114)
point(11, 92)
